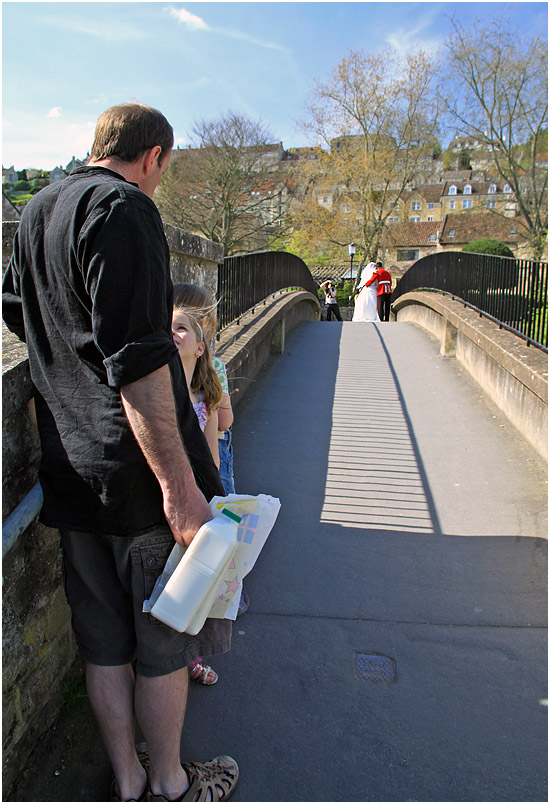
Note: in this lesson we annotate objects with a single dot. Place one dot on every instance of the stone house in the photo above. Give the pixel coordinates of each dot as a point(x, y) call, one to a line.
point(9, 176)
point(404, 243)
point(477, 196)
point(459, 229)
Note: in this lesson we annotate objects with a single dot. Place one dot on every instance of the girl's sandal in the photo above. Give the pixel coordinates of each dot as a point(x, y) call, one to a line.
point(202, 673)
point(210, 781)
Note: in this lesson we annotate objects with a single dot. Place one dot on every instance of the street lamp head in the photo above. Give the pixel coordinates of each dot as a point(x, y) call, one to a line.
point(351, 249)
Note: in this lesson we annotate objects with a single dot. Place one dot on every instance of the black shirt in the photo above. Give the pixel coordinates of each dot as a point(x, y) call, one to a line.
point(89, 289)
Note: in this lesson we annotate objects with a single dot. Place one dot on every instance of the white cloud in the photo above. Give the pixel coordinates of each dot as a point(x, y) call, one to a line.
point(196, 23)
point(188, 19)
point(54, 112)
point(34, 141)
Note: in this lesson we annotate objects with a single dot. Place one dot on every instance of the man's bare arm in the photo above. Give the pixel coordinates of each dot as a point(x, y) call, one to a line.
point(149, 407)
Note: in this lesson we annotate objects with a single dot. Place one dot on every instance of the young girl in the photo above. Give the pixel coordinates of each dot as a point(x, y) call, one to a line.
point(206, 394)
point(197, 298)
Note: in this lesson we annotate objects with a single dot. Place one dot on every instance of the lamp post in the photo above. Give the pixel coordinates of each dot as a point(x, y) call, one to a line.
point(351, 249)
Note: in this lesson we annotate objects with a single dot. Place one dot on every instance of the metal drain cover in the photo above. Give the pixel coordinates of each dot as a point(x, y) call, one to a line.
point(373, 667)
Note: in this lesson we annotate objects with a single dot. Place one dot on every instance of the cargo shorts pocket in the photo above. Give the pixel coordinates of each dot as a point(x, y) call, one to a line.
point(148, 561)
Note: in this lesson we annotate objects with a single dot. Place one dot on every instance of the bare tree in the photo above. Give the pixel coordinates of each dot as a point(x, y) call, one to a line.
point(225, 187)
point(378, 114)
point(497, 92)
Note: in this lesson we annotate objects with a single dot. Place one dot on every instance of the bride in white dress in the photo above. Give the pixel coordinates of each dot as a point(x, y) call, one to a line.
point(366, 303)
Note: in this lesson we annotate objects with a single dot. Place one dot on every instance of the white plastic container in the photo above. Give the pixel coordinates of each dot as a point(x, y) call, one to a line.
point(189, 594)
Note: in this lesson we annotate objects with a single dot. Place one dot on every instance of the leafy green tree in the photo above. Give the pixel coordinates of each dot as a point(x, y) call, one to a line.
point(22, 186)
point(378, 115)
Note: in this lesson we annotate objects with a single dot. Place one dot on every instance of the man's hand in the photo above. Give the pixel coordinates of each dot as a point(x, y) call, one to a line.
point(185, 520)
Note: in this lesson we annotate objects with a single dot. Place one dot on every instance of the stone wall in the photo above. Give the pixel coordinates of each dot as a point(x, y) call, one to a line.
point(38, 645)
point(511, 373)
point(246, 347)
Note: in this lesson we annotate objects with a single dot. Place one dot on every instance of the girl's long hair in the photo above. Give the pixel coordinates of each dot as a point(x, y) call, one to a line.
point(198, 298)
point(205, 379)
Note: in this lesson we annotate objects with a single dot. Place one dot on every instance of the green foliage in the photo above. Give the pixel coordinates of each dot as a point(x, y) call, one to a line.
point(73, 689)
point(343, 293)
point(21, 186)
point(488, 246)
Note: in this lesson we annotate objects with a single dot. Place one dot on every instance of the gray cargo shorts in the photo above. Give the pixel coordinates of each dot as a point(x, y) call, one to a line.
point(106, 579)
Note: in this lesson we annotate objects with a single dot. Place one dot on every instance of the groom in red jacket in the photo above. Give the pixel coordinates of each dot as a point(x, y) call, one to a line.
point(383, 293)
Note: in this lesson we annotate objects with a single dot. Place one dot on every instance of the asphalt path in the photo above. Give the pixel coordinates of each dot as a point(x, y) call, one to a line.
point(395, 646)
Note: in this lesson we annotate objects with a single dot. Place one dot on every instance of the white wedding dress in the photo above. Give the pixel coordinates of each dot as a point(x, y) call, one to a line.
point(366, 303)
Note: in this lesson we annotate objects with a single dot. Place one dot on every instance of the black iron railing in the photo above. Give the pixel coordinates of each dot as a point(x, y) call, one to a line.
point(511, 292)
point(245, 280)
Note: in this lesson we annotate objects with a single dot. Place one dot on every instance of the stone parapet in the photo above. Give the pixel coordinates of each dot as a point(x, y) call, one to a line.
point(245, 347)
point(193, 259)
point(513, 374)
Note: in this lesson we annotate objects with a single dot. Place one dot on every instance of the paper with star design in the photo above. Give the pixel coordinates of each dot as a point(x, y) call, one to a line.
point(258, 515)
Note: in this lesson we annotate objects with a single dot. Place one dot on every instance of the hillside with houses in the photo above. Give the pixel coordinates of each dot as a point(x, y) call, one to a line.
point(453, 198)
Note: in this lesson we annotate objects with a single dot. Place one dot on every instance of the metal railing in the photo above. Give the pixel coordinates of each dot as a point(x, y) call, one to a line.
point(511, 292)
point(245, 280)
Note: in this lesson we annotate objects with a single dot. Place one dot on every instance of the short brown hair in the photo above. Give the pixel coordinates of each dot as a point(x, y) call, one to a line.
point(128, 130)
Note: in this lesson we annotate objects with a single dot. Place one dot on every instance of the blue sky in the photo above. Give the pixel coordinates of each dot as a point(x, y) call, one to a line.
point(64, 63)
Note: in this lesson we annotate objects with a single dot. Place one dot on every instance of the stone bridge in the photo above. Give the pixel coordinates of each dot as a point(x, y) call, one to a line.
point(395, 644)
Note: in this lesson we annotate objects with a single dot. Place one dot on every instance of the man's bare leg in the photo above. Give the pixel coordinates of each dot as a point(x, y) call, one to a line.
point(111, 694)
point(160, 710)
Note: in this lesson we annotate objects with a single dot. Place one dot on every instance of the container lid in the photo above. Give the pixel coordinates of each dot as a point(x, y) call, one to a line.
point(231, 515)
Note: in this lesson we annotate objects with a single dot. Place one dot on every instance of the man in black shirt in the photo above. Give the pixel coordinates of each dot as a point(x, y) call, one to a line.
point(125, 467)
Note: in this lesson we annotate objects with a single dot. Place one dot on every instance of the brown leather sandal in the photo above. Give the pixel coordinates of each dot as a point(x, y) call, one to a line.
point(218, 777)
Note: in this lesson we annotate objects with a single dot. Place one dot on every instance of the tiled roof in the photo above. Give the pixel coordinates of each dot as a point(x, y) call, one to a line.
point(411, 234)
point(429, 192)
point(468, 226)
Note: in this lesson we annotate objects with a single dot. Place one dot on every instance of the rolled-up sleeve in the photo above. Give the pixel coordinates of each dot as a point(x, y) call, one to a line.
point(139, 358)
point(125, 259)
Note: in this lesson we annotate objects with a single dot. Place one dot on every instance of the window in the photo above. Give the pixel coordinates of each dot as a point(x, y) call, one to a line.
point(415, 219)
point(393, 220)
point(430, 217)
point(405, 255)
point(452, 189)
point(451, 204)
point(346, 209)
point(416, 205)
point(507, 188)
point(513, 231)
point(451, 233)
point(467, 203)
point(491, 203)
point(492, 188)
point(432, 238)
point(468, 189)
point(431, 206)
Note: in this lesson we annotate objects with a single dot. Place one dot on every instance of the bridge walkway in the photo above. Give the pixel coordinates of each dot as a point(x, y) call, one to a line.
point(395, 645)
